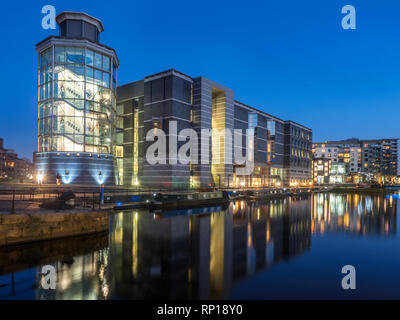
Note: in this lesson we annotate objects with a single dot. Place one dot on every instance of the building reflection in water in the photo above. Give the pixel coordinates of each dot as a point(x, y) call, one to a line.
point(353, 213)
point(82, 278)
point(202, 253)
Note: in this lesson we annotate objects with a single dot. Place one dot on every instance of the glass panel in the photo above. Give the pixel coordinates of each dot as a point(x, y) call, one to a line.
point(60, 55)
point(45, 58)
point(89, 74)
point(59, 72)
point(119, 137)
point(79, 72)
point(70, 55)
point(92, 127)
point(106, 79)
point(89, 91)
point(80, 55)
point(271, 127)
point(97, 60)
point(89, 57)
point(40, 125)
point(97, 77)
point(75, 55)
point(77, 103)
point(106, 63)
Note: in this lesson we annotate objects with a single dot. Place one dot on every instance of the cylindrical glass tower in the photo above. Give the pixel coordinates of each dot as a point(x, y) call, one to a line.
point(76, 104)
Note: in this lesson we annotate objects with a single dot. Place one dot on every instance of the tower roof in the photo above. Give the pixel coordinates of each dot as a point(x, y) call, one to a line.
point(68, 15)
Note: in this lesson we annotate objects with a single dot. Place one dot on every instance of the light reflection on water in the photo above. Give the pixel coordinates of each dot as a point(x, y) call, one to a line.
point(270, 249)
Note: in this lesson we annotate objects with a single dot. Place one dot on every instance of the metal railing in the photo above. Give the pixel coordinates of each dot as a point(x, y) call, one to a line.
point(29, 197)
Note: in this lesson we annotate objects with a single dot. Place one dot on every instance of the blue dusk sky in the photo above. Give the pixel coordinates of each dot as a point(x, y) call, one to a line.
point(291, 59)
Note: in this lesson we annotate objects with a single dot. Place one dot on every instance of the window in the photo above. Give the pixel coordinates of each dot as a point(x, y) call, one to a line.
point(271, 127)
point(119, 151)
point(60, 55)
point(97, 60)
point(90, 58)
point(253, 119)
point(106, 63)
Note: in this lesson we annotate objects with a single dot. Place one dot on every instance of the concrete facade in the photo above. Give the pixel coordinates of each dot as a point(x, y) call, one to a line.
point(282, 149)
point(297, 154)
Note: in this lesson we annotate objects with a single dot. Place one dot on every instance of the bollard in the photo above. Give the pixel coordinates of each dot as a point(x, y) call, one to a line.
point(101, 198)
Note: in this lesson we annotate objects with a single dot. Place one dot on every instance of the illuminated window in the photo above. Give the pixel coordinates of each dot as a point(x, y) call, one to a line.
point(75, 100)
point(119, 151)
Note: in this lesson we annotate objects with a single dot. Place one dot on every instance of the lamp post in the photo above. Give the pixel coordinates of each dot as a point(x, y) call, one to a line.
point(101, 194)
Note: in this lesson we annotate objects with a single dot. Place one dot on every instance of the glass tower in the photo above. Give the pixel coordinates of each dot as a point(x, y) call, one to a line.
point(76, 104)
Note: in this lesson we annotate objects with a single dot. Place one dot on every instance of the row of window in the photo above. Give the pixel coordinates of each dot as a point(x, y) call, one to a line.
point(74, 125)
point(64, 143)
point(301, 153)
point(253, 123)
point(75, 55)
point(76, 90)
point(74, 107)
point(300, 133)
point(76, 73)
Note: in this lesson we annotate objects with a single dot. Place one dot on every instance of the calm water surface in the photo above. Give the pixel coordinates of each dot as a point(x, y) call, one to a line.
point(283, 249)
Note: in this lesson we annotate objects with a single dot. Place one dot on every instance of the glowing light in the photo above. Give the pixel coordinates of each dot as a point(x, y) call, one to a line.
point(67, 179)
point(99, 176)
point(40, 178)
